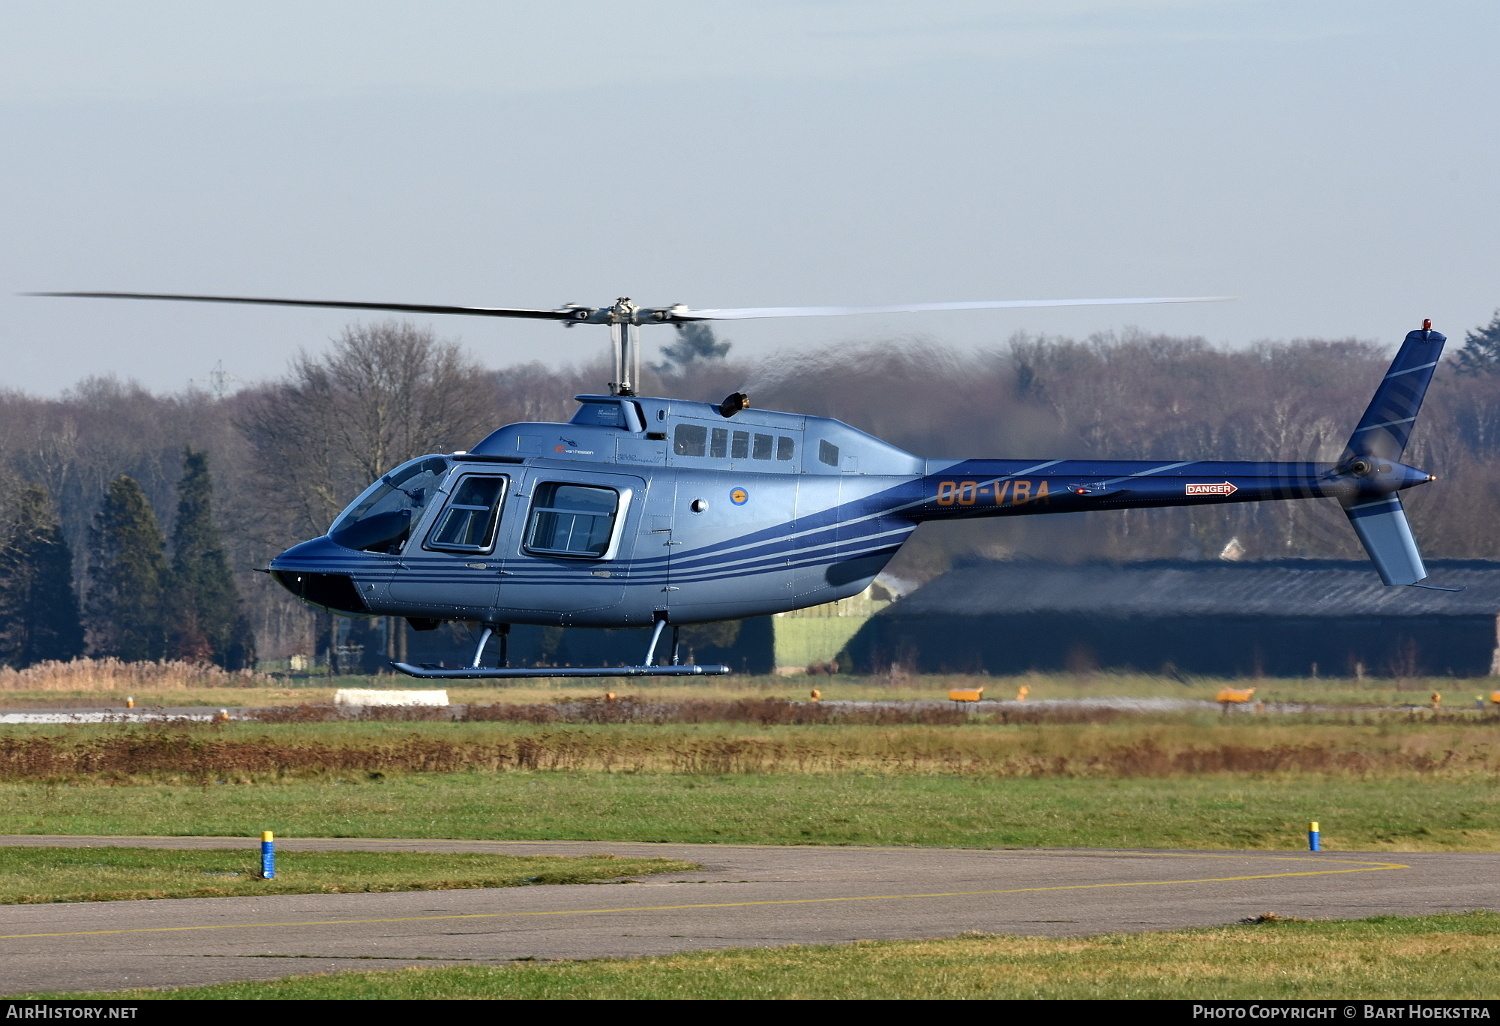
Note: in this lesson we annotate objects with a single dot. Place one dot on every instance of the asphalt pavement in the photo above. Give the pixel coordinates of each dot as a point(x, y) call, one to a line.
point(744, 895)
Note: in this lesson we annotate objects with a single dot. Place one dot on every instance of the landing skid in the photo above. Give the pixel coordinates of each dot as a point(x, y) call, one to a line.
point(429, 672)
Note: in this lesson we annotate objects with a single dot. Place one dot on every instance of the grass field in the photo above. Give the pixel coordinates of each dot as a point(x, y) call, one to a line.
point(35, 875)
point(1443, 956)
point(1214, 811)
point(1375, 780)
point(763, 772)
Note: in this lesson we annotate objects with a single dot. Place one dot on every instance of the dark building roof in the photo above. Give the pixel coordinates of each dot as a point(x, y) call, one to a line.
point(1186, 588)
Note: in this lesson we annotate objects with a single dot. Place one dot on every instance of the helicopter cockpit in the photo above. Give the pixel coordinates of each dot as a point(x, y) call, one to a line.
point(381, 519)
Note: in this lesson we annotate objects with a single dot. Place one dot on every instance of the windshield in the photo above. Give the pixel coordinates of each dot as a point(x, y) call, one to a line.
point(381, 519)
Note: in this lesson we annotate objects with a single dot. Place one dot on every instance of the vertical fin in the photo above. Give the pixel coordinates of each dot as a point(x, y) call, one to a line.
point(1384, 429)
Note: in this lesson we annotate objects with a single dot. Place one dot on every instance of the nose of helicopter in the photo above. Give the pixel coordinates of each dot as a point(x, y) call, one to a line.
point(319, 572)
point(315, 554)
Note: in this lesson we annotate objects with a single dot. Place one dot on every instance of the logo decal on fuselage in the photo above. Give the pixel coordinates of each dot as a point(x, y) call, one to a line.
point(739, 496)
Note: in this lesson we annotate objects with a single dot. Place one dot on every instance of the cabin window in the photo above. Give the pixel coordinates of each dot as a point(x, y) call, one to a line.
point(785, 447)
point(763, 444)
point(828, 453)
point(468, 523)
point(572, 520)
point(690, 440)
point(718, 443)
point(739, 446)
point(601, 414)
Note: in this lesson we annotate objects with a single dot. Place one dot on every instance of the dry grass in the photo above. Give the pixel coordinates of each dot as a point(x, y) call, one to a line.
point(1124, 750)
point(115, 675)
point(280, 688)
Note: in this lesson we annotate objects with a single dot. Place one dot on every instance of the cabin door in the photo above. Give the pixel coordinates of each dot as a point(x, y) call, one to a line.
point(569, 549)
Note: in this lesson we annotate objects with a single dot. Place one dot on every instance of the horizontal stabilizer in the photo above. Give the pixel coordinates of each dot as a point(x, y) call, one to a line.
point(1383, 530)
point(429, 672)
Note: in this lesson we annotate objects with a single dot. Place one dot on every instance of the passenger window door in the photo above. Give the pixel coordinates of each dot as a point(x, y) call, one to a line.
point(572, 520)
point(468, 522)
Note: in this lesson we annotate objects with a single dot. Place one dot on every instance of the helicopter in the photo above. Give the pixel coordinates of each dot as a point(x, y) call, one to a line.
point(650, 512)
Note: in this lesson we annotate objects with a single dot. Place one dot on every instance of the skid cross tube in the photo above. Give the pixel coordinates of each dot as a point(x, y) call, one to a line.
point(428, 672)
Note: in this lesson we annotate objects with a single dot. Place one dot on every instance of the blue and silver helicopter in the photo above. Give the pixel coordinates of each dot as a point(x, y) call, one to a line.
point(653, 512)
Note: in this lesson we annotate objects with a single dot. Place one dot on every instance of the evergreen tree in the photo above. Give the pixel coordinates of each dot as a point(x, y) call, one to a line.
point(206, 620)
point(695, 342)
point(39, 616)
point(127, 576)
point(1481, 351)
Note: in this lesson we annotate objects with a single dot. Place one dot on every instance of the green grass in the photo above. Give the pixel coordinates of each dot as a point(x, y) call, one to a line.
point(44, 874)
point(1441, 956)
point(1213, 811)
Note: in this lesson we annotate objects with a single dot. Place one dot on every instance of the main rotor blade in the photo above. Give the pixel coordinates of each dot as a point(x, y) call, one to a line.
point(427, 308)
point(747, 313)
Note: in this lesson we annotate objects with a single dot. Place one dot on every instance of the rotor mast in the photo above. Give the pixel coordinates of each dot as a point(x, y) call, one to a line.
point(625, 335)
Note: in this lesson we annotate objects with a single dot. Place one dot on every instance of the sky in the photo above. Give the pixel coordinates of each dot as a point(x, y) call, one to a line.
point(1332, 164)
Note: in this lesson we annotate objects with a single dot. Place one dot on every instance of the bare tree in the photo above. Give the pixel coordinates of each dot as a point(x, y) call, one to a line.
point(381, 395)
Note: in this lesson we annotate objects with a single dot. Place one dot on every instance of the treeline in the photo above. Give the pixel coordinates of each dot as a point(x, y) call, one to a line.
point(97, 481)
point(140, 605)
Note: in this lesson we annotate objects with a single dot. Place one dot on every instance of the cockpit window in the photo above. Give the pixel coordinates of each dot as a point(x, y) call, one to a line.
point(380, 520)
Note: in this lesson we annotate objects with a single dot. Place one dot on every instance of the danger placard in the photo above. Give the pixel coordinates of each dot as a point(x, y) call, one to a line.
point(1221, 488)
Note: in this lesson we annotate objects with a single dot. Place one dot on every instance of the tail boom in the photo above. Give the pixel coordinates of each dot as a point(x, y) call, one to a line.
point(1365, 480)
point(966, 489)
